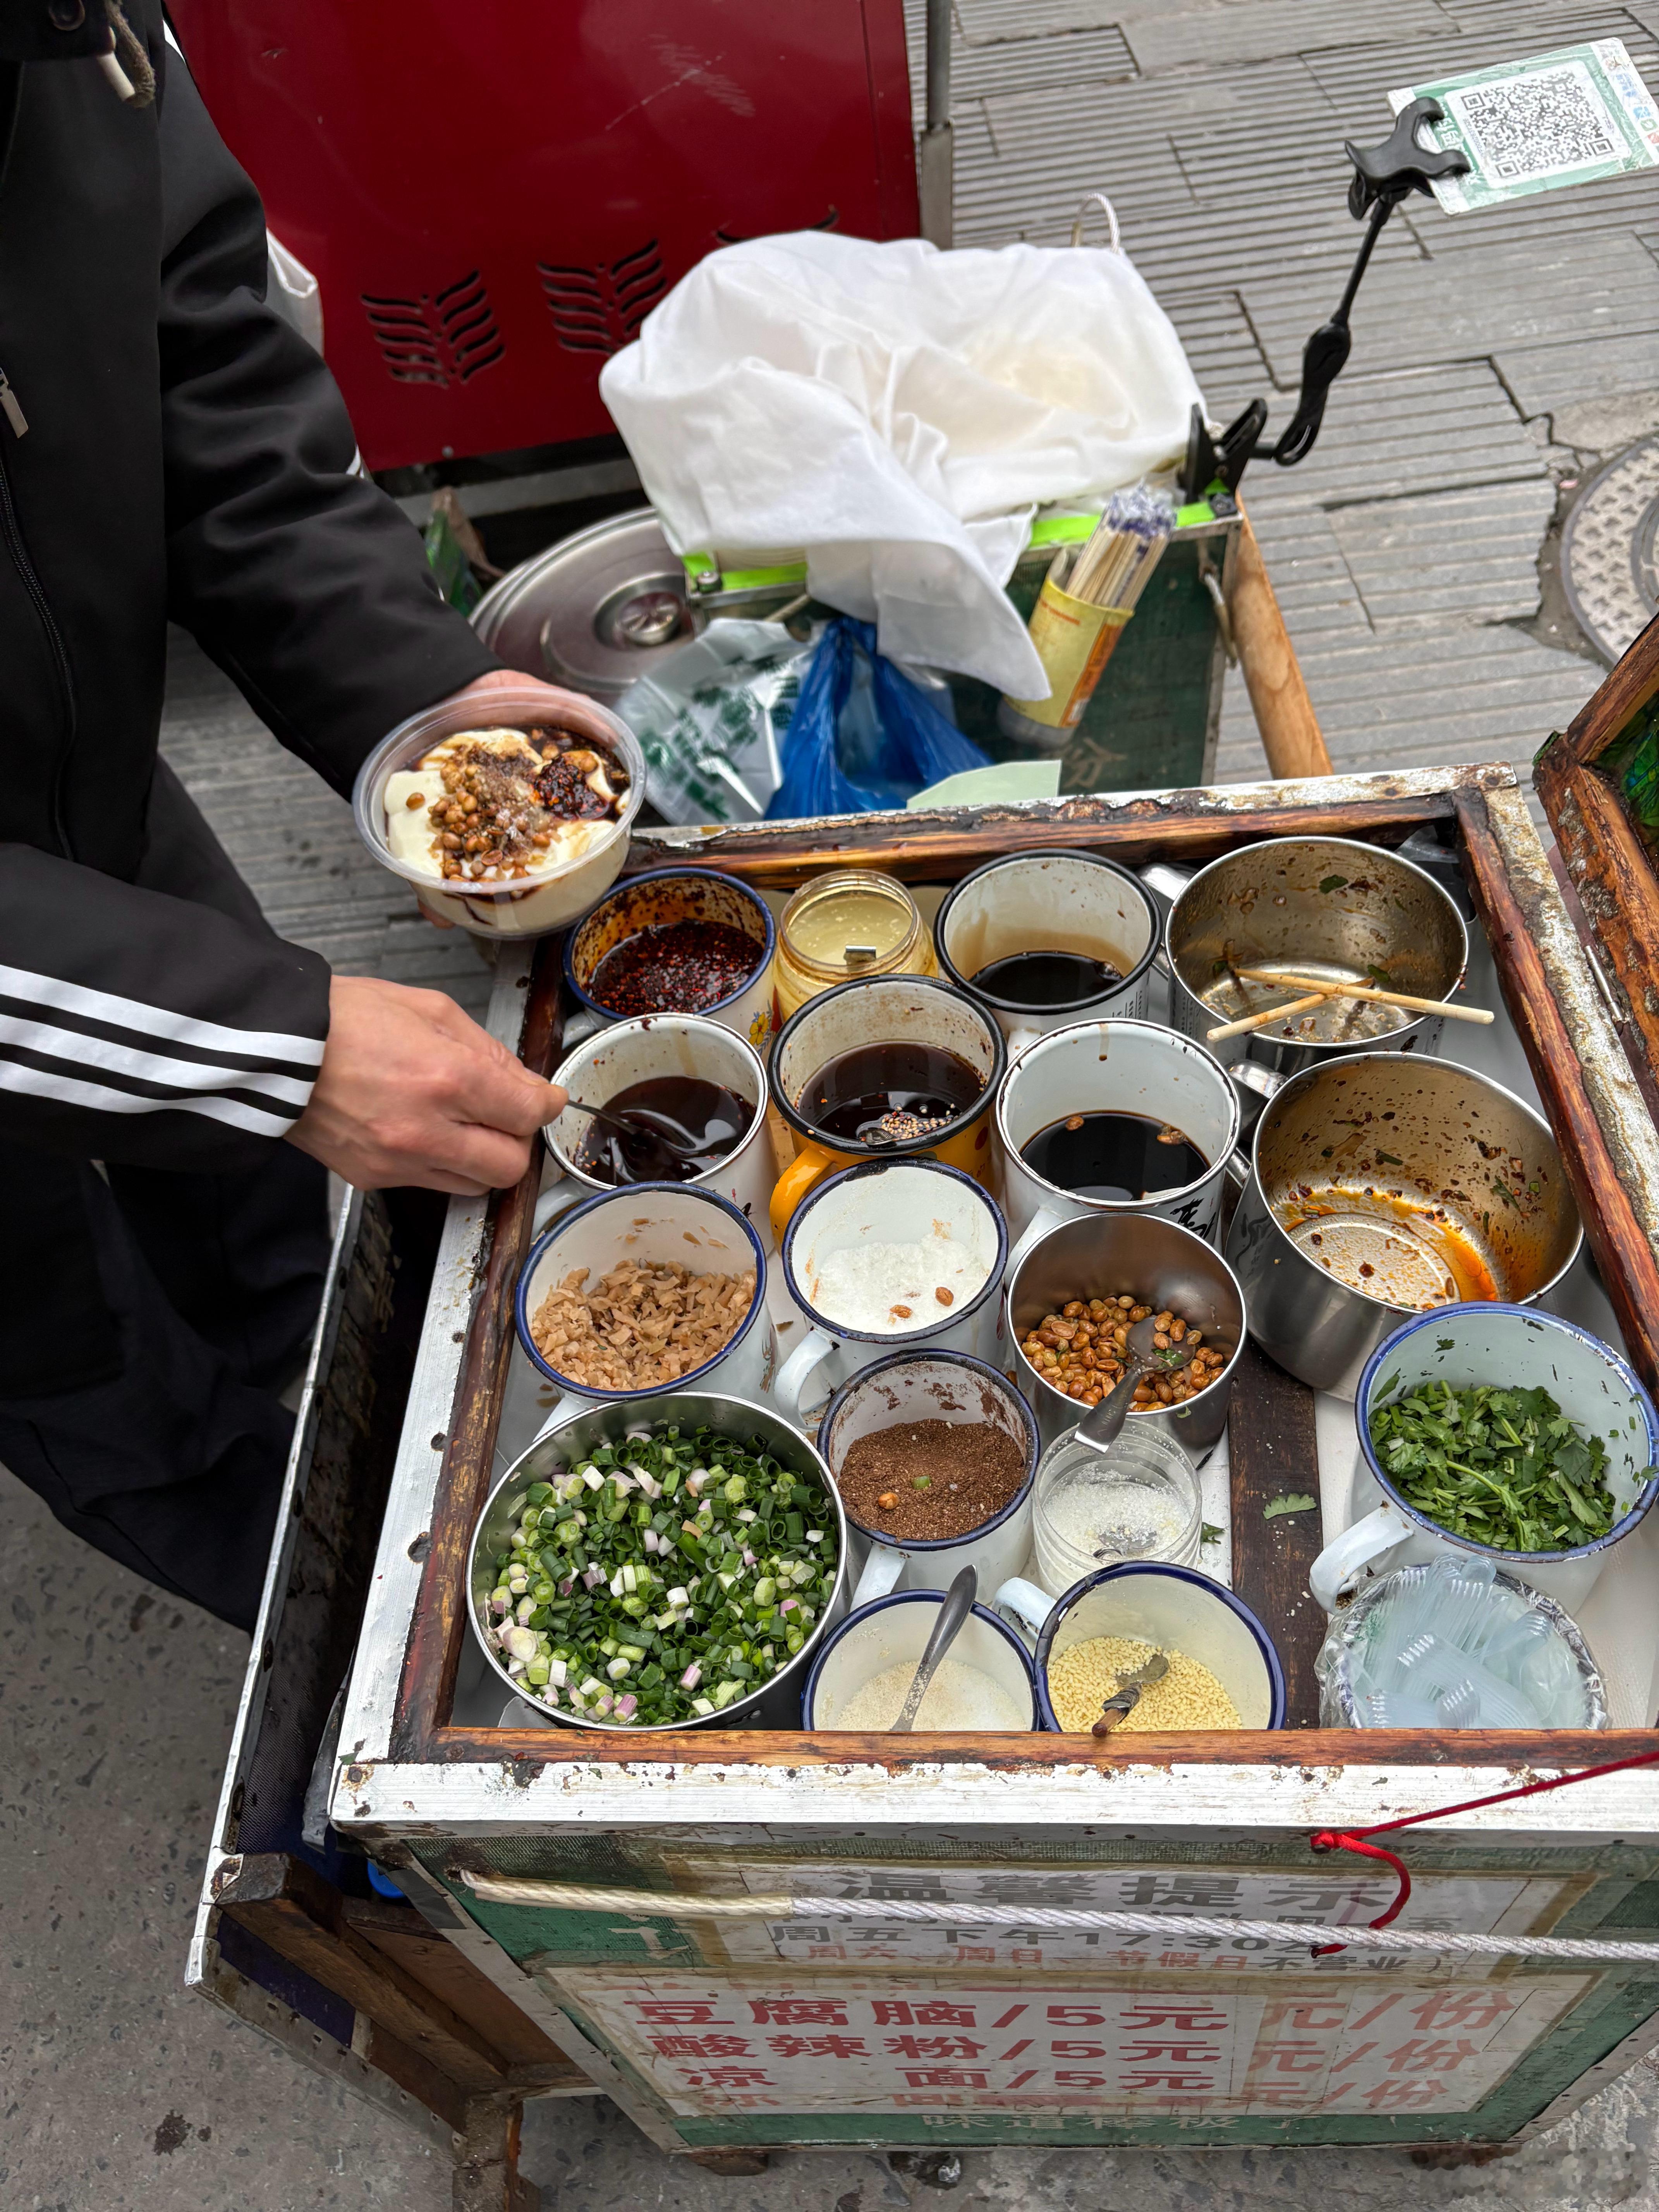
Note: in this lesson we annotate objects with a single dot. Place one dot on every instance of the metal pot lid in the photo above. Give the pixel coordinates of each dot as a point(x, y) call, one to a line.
point(594, 612)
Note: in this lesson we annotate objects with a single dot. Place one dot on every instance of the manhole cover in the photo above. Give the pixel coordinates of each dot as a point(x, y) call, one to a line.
point(1610, 551)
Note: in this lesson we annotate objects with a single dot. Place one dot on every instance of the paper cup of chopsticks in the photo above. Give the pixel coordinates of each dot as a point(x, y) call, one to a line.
point(1086, 601)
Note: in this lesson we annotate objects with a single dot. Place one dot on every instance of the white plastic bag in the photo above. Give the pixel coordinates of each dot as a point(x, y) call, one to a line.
point(896, 414)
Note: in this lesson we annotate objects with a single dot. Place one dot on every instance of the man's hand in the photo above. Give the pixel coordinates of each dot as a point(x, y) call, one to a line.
point(412, 1092)
point(499, 679)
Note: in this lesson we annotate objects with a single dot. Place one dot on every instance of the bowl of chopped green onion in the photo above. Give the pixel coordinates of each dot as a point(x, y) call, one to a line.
point(1502, 1430)
point(658, 1573)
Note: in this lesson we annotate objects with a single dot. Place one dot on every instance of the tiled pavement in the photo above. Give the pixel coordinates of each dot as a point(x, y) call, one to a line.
point(1495, 355)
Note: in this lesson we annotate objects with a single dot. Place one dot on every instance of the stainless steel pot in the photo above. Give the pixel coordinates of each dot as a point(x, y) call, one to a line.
point(594, 1425)
point(596, 612)
point(1384, 1184)
point(1326, 907)
point(1152, 1260)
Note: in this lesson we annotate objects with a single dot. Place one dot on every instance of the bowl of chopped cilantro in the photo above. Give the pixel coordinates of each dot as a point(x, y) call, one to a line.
point(1504, 1431)
point(662, 1573)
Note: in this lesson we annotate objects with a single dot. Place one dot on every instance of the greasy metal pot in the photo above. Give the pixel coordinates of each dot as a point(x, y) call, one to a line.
point(1384, 1184)
point(1156, 1261)
point(1327, 908)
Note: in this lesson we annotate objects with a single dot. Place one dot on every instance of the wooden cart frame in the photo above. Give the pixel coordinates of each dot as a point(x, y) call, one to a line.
point(1611, 869)
point(419, 1791)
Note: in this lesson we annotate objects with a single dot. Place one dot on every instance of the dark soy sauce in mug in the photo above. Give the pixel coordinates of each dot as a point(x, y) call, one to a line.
point(1040, 980)
point(1114, 1155)
point(712, 1117)
point(888, 1093)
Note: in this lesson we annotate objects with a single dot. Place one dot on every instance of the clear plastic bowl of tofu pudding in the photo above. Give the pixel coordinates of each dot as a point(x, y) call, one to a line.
point(509, 814)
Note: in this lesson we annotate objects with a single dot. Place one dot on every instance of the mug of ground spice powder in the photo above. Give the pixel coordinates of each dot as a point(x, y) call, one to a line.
point(676, 941)
point(934, 1453)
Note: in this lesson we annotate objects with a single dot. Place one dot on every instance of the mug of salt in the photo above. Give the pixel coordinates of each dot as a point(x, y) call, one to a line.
point(1090, 1509)
point(864, 1669)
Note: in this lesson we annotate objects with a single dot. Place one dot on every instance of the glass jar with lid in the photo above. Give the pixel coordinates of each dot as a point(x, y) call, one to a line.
point(852, 922)
point(1090, 1509)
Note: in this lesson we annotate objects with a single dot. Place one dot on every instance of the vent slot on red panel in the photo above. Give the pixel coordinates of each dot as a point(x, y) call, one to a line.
point(441, 338)
point(599, 310)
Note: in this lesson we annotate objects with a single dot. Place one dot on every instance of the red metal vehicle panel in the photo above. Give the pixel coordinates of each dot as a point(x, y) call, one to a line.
point(493, 195)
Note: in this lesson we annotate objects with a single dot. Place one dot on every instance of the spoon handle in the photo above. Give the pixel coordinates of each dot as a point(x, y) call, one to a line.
point(958, 1604)
point(1103, 1424)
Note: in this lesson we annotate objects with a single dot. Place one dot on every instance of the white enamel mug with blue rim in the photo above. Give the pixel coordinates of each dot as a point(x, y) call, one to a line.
point(1519, 1348)
point(660, 897)
point(1115, 1066)
point(887, 1202)
point(933, 1386)
point(652, 1223)
point(1176, 1609)
point(627, 1053)
point(894, 1629)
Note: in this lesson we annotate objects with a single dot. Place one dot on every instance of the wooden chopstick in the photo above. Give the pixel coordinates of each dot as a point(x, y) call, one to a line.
point(1365, 991)
point(1273, 1014)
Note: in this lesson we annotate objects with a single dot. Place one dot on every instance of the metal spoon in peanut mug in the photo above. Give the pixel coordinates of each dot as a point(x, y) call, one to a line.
point(958, 1604)
point(1127, 1695)
point(1101, 1427)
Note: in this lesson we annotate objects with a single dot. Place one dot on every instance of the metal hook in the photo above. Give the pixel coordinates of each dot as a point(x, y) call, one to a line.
point(1115, 243)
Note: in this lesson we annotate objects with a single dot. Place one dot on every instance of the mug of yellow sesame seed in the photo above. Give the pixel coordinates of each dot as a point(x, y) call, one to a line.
point(1222, 1673)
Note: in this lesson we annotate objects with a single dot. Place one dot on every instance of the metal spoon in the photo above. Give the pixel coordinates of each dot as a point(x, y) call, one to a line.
point(958, 1604)
point(632, 1126)
point(1101, 1427)
point(1127, 1695)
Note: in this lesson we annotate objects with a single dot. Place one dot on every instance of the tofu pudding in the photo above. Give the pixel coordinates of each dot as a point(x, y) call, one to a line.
point(503, 806)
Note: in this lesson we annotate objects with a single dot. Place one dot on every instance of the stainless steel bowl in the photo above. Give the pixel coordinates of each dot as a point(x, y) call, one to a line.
point(1156, 1261)
point(607, 1424)
point(1325, 908)
point(1430, 1183)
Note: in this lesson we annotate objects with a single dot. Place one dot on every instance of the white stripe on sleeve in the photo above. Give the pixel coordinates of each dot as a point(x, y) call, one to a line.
point(156, 1022)
point(68, 1091)
point(81, 1050)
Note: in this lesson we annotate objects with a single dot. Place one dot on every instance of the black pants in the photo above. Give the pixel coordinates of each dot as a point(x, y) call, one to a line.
point(149, 1319)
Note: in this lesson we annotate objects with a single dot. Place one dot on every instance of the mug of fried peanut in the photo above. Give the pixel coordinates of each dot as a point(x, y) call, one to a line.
point(1073, 1297)
point(655, 1286)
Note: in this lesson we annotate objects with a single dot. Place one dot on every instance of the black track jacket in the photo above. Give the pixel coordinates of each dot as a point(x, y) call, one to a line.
point(186, 456)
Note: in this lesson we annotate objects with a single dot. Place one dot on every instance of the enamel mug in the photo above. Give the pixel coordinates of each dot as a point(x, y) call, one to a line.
point(1125, 1067)
point(893, 1631)
point(1173, 1608)
point(1519, 1348)
point(627, 1053)
point(880, 1010)
point(652, 1223)
point(1058, 901)
point(899, 1202)
point(933, 1386)
point(657, 900)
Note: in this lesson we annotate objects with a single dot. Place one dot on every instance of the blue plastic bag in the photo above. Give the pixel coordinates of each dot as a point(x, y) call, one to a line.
point(862, 735)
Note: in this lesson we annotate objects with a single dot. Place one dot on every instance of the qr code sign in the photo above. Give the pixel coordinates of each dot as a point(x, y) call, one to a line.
point(1541, 125)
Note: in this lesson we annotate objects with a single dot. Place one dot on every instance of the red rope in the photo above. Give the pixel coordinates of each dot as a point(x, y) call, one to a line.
point(1332, 1840)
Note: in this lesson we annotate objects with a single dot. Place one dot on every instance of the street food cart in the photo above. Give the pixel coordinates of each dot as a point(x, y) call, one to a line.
point(768, 1937)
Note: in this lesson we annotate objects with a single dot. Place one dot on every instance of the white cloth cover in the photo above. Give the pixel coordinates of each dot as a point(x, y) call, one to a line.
point(897, 414)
